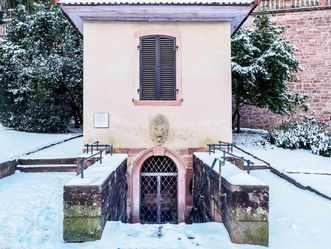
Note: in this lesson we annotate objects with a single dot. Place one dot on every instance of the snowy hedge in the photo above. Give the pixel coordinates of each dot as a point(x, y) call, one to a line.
point(41, 71)
point(308, 134)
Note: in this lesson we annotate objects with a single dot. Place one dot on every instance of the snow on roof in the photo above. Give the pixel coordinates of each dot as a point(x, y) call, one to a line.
point(230, 172)
point(151, 2)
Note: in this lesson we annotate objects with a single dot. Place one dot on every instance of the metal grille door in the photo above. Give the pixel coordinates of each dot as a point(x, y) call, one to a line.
point(158, 186)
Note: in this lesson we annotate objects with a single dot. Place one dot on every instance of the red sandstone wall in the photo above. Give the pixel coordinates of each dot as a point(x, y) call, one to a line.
point(310, 31)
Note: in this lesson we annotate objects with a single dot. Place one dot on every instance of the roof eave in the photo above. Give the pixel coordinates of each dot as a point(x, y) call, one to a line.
point(236, 14)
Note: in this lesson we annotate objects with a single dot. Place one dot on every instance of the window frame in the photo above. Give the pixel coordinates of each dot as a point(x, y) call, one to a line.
point(157, 67)
point(136, 100)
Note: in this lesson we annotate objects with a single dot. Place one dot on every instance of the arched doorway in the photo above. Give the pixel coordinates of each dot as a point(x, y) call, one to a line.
point(135, 188)
point(158, 190)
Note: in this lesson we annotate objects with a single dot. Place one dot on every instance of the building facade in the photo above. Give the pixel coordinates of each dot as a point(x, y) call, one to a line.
point(157, 85)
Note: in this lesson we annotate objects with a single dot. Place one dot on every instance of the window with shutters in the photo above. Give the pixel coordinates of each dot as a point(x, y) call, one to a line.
point(157, 67)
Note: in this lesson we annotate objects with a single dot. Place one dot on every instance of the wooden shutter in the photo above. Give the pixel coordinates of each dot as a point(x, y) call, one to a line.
point(167, 68)
point(158, 68)
point(148, 68)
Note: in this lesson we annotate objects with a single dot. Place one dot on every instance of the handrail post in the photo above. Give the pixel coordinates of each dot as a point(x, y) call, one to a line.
point(101, 156)
point(223, 157)
point(248, 166)
point(220, 183)
point(81, 168)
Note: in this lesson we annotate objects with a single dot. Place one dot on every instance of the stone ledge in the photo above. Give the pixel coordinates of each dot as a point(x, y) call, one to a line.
point(244, 210)
point(7, 168)
point(90, 202)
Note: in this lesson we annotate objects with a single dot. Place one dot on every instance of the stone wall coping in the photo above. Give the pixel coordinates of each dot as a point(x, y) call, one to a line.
point(98, 173)
point(230, 172)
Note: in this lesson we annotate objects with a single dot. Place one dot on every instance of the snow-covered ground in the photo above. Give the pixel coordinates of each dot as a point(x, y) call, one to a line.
point(69, 149)
point(286, 160)
point(31, 206)
point(31, 209)
point(14, 144)
point(31, 218)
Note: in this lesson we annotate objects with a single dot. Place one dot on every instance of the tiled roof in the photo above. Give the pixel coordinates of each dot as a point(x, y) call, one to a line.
point(155, 2)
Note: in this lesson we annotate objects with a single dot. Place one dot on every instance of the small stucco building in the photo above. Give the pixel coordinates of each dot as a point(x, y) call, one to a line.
point(157, 85)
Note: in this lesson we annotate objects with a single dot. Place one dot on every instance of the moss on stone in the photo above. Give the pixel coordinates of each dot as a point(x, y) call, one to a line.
point(248, 214)
point(256, 233)
point(79, 229)
point(81, 211)
point(259, 233)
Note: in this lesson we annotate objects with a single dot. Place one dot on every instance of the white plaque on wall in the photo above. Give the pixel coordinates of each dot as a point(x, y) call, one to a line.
point(101, 120)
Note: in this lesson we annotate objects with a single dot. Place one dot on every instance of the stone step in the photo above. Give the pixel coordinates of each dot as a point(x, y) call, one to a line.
point(241, 165)
point(51, 161)
point(257, 163)
point(47, 168)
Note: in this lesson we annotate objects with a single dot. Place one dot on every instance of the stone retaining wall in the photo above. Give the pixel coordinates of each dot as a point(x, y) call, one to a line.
point(244, 210)
point(7, 168)
point(87, 208)
point(210, 194)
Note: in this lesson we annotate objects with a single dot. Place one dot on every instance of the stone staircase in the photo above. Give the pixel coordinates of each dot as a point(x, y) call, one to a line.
point(47, 165)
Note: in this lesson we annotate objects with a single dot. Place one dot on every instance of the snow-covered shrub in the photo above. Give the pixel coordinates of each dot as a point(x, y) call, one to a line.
point(322, 145)
point(308, 134)
point(41, 71)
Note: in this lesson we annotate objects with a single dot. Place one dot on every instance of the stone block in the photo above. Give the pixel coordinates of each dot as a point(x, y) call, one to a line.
point(245, 213)
point(7, 168)
point(249, 232)
point(80, 229)
point(82, 211)
point(87, 208)
point(244, 210)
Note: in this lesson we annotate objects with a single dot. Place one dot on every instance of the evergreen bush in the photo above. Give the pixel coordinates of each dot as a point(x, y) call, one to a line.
point(41, 71)
point(263, 65)
point(308, 134)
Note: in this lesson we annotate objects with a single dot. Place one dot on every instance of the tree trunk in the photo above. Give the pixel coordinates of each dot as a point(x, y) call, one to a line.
point(77, 115)
point(76, 119)
point(234, 115)
point(80, 117)
point(237, 114)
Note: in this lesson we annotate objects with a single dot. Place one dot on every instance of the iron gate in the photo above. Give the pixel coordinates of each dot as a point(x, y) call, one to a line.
point(158, 191)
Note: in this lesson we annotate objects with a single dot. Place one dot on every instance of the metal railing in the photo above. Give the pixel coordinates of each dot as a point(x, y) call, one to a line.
point(101, 148)
point(107, 147)
point(5, 14)
point(229, 152)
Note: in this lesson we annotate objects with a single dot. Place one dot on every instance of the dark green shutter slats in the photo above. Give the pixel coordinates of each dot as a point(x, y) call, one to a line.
point(158, 68)
point(167, 86)
point(167, 68)
point(148, 68)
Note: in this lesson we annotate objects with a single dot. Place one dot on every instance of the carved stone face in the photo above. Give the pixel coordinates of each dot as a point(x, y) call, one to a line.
point(159, 129)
